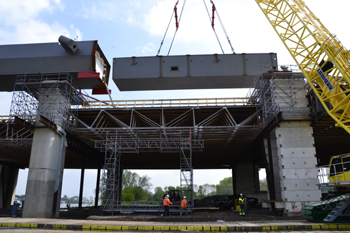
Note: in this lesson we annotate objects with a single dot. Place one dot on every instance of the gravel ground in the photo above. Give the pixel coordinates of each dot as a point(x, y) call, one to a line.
point(202, 215)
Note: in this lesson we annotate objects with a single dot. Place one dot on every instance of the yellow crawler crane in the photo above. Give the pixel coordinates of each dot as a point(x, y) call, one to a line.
point(321, 57)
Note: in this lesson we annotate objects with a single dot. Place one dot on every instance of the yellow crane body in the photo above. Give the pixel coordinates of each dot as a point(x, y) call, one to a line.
point(324, 61)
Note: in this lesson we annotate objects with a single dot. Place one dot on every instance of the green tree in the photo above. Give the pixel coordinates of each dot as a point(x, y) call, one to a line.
point(20, 197)
point(158, 194)
point(127, 196)
point(136, 185)
point(263, 185)
point(225, 187)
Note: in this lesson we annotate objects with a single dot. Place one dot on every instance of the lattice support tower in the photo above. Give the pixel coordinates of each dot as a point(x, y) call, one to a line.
point(31, 98)
point(186, 172)
point(277, 90)
point(111, 174)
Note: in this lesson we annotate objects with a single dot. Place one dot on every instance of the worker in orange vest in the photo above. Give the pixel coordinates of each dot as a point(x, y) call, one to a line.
point(184, 206)
point(166, 203)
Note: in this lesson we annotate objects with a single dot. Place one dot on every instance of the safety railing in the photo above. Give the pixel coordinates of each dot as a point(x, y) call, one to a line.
point(335, 174)
point(162, 103)
point(4, 118)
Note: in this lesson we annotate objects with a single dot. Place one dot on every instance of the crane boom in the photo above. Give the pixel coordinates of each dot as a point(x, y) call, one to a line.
point(321, 57)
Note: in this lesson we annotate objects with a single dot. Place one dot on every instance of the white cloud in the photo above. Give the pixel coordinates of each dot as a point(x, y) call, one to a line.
point(34, 31)
point(246, 25)
point(16, 11)
point(102, 10)
point(148, 48)
point(23, 22)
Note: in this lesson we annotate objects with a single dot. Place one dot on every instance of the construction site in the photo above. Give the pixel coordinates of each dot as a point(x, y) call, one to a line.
point(294, 122)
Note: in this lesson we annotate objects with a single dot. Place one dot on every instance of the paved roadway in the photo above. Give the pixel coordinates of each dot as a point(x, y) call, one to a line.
point(11, 230)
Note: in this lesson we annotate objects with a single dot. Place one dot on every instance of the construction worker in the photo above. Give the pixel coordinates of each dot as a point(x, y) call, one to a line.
point(241, 201)
point(166, 203)
point(68, 206)
point(184, 205)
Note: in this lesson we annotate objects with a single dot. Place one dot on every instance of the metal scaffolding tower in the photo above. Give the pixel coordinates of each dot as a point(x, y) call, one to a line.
point(186, 174)
point(111, 174)
point(280, 90)
point(31, 98)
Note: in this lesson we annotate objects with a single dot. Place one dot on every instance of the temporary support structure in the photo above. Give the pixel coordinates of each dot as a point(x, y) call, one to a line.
point(280, 90)
point(114, 148)
point(29, 90)
point(111, 174)
point(186, 175)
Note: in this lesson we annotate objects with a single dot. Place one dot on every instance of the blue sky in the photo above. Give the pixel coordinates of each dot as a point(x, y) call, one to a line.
point(136, 28)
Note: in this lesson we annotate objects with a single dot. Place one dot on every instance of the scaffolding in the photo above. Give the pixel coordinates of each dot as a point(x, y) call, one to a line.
point(280, 90)
point(114, 147)
point(111, 174)
point(53, 96)
point(186, 174)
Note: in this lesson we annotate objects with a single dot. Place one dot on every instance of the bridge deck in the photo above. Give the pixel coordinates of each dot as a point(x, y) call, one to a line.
point(225, 129)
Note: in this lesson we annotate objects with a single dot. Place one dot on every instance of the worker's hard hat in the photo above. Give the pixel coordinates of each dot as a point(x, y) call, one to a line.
point(184, 196)
point(167, 196)
point(241, 194)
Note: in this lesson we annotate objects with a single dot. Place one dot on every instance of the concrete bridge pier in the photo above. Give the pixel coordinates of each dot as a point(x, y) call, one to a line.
point(293, 146)
point(296, 170)
point(8, 183)
point(43, 192)
point(245, 179)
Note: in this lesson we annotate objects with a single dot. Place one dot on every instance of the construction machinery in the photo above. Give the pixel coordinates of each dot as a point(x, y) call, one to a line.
point(322, 58)
point(339, 170)
point(336, 205)
point(325, 63)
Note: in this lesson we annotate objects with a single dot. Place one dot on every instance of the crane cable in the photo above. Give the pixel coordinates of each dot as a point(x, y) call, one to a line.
point(222, 25)
point(212, 23)
point(161, 43)
point(177, 23)
point(223, 28)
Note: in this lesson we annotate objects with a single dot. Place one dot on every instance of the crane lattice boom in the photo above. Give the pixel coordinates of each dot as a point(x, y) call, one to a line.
point(320, 55)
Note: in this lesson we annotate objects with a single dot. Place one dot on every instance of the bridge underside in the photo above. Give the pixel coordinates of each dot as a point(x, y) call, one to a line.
point(149, 137)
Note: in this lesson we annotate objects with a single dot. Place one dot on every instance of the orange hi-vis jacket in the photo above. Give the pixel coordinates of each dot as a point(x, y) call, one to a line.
point(184, 204)
point(166, 202)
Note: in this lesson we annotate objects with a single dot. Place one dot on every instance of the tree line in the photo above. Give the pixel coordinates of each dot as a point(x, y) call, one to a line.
point(139, 188)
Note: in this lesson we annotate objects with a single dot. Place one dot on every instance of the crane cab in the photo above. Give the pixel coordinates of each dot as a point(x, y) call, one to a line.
point(339, 168)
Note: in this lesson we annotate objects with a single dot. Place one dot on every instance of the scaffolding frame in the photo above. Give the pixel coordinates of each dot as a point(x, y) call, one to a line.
point(112, 174)
point(269, 92)
point(186, 173)
point(114, 147)
point(29, 102)
point(30, 98)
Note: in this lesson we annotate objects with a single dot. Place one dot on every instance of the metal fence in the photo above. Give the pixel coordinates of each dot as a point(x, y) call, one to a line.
point(164, 103)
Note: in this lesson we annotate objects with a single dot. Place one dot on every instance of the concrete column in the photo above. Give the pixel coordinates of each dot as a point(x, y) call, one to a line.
point(81, 190)
point(293, 147)
point(120, 188)
point(8, 183)
point(43, 192)
point(234, 178)
point(58, 192)
point(98, 184)
point(275, 165)
point(297, 165)
point(245, 178)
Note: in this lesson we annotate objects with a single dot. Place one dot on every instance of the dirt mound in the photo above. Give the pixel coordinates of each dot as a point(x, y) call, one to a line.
point(209, 201)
